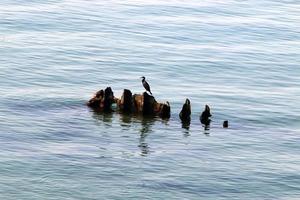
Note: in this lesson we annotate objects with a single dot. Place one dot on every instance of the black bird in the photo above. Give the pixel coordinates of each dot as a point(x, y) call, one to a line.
point(146, 85)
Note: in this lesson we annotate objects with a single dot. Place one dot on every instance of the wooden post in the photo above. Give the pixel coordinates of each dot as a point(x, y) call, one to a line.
point(126, 104)
point(148, 104)
point(108, 99)
point(204, 118)
point(185, 113)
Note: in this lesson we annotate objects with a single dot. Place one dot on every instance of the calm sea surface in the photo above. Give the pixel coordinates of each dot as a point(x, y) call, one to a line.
point(241, 57)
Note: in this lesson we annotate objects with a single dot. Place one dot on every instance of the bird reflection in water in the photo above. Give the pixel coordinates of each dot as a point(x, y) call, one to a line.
point(146, 128)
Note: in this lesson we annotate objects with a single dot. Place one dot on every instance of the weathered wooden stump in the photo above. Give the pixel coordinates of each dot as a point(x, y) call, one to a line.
point(95, 102)
point(185, 113)
point(126, 103)
point(138, 101)
point(102, 100)
point(165, 110)
point(141, 104)
point(147, 105)
point(205, 116)
point(225, 124)
point(108, 99)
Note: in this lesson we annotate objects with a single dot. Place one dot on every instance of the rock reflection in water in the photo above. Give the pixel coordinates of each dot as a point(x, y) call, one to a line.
point(125, 120)
point(186, 128)
point(105, 117)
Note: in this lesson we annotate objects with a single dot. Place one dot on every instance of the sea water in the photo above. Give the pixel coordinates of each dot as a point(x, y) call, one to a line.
point(240, 57)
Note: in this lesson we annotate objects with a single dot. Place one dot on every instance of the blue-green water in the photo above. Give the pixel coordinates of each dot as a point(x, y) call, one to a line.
point(240, 57)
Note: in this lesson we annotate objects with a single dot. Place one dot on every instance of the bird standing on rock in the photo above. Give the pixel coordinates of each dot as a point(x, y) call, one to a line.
point(146, 85)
